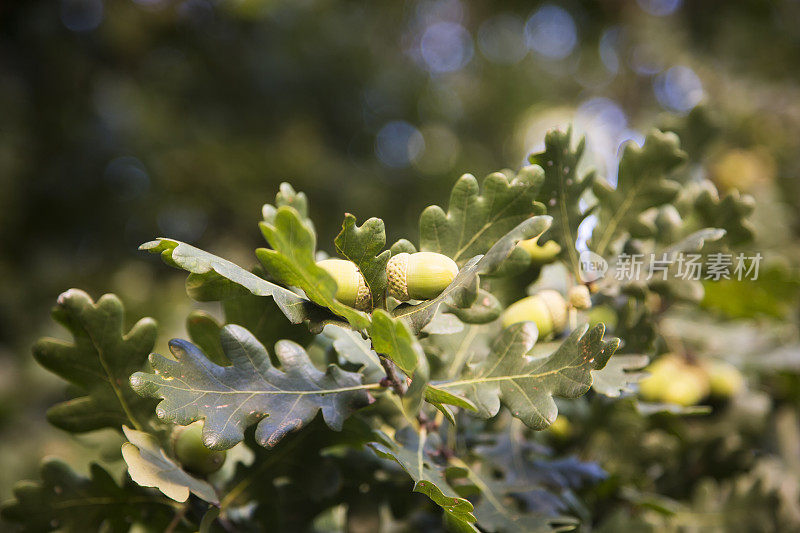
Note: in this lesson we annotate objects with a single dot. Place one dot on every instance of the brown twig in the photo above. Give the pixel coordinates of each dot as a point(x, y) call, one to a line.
point(392, 378)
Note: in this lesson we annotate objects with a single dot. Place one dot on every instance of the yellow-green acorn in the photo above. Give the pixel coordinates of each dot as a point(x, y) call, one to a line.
point(193, 455)
point(540, 254)
point(547, 309)
point(579, 297)
point(724, 378)
point(419, 276)
point(351, 289)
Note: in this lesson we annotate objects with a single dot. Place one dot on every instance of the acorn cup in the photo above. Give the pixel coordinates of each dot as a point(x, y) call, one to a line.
point(419, 276)
point(352, 290)
point(547, 309)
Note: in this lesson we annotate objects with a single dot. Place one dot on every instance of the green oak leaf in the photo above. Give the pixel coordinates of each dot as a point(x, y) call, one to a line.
point(441, 399)
point(98, 362)
point(291, 261)
point(214, 278)
point(403, 246)
point(419, 315)
point(393, 339)
point(354, 349)
point(562, 190)
point(251, 391)
point(363, 245)
point(287, 196)
point(729, 213)
point(204, 330)
point(527, 385)
point(620, 375)
point(497, 510)
point(149, 466)
point(486, 308)
point(408, 449)
point(642, 183)
point(257, 314)
point(67, 501)
point(477, 218)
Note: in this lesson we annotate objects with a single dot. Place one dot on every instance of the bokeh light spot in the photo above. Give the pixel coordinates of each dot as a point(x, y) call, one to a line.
point(81, 15)
point(446, 47)
point(678, 89)
point(660, 8)
point(551, 32)
point(127, 178)
point(502, 39)
point(398, 144)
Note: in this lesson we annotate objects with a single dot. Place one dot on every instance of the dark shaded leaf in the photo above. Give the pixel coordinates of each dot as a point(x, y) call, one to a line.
point(252, 391)
point(67, 501)
point(408, 449)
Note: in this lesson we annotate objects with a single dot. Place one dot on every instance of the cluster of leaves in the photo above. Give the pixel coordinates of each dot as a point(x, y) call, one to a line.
point(435, 391)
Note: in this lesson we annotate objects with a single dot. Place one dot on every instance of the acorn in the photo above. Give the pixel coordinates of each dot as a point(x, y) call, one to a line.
point(673, 380)
point(579, 297)
point(194, 456)
point(352, 289)
point(725, 379)
point(547, 309)
point(419, 276)
point(540, 254)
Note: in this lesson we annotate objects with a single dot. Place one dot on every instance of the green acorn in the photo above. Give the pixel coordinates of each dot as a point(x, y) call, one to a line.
point(351, 289)
point(194, 456)
point(547, 309)
point(419, 276)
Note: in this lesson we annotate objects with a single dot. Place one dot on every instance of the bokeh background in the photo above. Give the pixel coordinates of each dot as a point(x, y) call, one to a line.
point(122, 120)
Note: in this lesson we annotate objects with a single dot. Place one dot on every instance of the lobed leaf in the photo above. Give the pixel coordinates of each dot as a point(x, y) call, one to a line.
point(562, 190)
point(408, 449)
point(363, 245)
point(212, 277)
point(67, 501)
point(353, 348)
point(292, 262)
point(98, 362)
point(251, 391)
point(477, 218)
point(149, 466)
point(642, 183)
point(619, 375)
point(527, 385)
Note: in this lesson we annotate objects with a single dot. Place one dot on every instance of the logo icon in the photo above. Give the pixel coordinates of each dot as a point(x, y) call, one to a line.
point(592, 266)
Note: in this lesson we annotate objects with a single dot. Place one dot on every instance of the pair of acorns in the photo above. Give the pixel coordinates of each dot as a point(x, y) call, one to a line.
point(673, 379)
point(424, 275)
point(417, 276)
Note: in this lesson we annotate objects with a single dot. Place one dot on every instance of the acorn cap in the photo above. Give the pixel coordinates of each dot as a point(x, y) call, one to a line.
point(557, 306)
point(396, 270)
point(579, 297)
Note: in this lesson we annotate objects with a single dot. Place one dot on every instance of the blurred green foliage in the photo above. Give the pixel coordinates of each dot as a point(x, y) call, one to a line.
point(126, 119)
